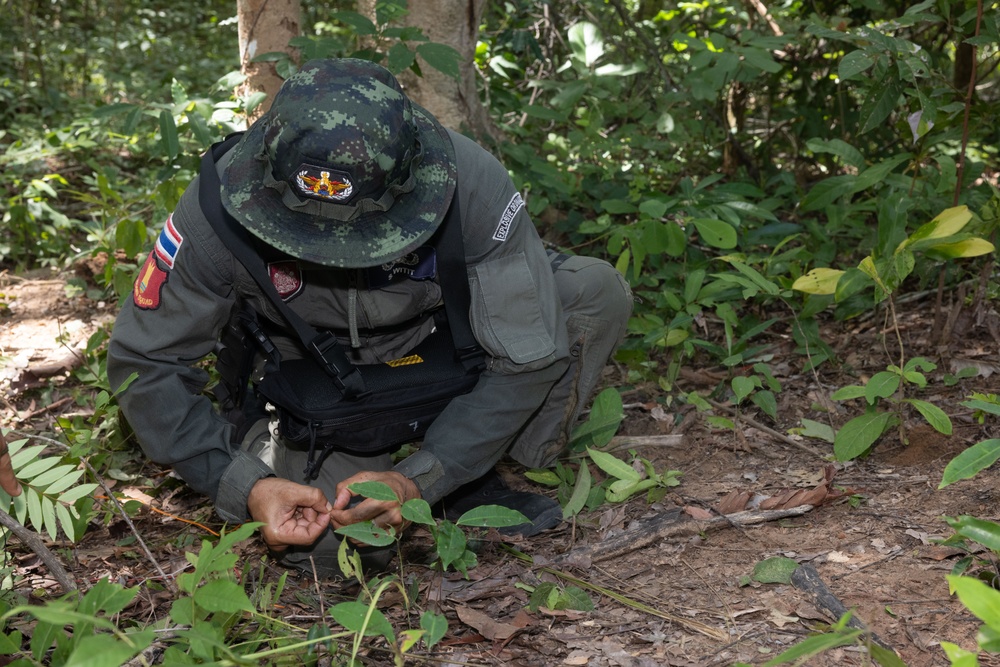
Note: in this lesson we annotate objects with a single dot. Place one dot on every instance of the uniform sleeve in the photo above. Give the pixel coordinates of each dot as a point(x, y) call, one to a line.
point(181, 299)
point(517, 318)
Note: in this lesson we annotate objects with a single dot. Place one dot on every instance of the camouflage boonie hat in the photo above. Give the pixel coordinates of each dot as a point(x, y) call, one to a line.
point(343, 170)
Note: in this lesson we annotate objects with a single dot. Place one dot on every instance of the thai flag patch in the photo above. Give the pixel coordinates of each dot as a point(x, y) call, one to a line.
point(168, 243)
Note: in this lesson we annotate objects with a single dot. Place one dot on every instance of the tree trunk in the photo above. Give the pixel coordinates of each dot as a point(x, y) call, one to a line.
point(455, 103)
point(265, 26)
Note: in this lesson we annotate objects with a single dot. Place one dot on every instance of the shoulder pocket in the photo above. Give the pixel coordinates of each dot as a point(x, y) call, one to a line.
point(506, 311)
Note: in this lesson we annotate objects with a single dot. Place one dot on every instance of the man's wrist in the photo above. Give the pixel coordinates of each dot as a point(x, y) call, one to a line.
point(238, 480)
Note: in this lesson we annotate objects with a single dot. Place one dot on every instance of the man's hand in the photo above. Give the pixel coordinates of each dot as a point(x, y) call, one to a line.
point(292, 513)
point(381, 513)
point(7, 480)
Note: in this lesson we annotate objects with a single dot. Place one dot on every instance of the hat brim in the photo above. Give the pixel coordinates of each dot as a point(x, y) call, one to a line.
point(367, 239)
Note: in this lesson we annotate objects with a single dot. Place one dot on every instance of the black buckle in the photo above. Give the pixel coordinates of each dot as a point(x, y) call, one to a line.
point(348, 380)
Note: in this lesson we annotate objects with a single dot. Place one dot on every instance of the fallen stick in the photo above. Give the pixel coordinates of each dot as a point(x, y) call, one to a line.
point(674, 523)
point(807, 579)
point(35, 543)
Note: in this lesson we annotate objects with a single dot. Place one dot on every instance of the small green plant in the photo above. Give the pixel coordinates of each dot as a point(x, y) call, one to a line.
point(981, 455)
point(858, 435)
point(556, 596)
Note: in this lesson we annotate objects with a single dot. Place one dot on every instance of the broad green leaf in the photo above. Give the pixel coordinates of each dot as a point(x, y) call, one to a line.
point(66, 482)
point(613, 465)
point(367, 532)
point(881, 385)
point(848, 154)
point(776, 570)
point(362, 24)
point(624, 489)
point(849, 392)
point(766, 401)
point(168, 135)
point(934, 415)
point(66, 522)
point(743, 387)
point(976, 458)
point(377, 490)
point(60, 614)
point(435, 626)
point(450, 542)
point(103, 651)
point(492, 516)
point(606, 415)
point(958, 656)
point(716, 233)
point(543, 476)
point(10, 643)
point(577, 599)
point(20, 457)
point(970, 247)
point(983, 406)
point(49, 516)
point(361, 619)
point(828, 191)
point(859, 434)
point(818, 430)
point(978, 598)
point(72, 495)
point(441, 57)
point(946, 223)
point(34, 503)
point(400, 58)
point(854, 63)
point(418, 510)
point(880, 101)
point(820, 280)
point(586, 41)
point(985, 532)
point(581, 492)
point(222, 595)
point(876, 173)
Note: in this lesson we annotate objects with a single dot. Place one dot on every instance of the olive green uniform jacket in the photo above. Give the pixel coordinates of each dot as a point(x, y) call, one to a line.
point(186, 293)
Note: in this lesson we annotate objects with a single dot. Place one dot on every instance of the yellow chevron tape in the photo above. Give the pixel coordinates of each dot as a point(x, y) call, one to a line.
point(406, 361)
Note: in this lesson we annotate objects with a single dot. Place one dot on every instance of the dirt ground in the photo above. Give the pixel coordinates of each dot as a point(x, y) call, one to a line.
point(874, 547)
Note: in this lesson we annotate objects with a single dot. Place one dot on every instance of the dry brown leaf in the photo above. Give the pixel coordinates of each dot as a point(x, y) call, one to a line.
point(484, 625)
point(697, 513)
point(735, 501)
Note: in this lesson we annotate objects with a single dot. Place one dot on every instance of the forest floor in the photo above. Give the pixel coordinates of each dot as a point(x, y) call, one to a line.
point(873, 542)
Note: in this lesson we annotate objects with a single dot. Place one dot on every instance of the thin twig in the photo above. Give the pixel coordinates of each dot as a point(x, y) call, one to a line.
point(168, 581)
point(35, 543)
point(770, 431)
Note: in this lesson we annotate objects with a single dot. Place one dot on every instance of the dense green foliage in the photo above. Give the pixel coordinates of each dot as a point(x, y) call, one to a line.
point(718, 152)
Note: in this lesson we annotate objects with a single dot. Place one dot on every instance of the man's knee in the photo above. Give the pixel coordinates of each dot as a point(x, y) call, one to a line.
point(592, 288)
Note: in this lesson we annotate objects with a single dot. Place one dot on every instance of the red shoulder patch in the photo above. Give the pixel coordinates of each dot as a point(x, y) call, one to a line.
point(149, 284)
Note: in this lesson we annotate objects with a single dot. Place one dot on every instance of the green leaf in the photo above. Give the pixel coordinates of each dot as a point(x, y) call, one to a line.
point(11, 643)
point(168, 135)
point(362, 24)
point(418, 510)
point(818, 430)
point(57, 473)
point(441, 57)
point(766, 401)
point(359, 618)
point(969, 463)
point(743, 387)
point(435, 626)
point(815, 646)
point(848, 393)
point(581, 492)
point(613, 465)
point(820, 280)
point(72, 495)
point(377, 490)
point(970, 247)
point(934, 415)
point(222, 595)
point(543, 476)
point(859, 434)
point(104, 651)
point(777, 570)
point(716, 233)
point(946, 223)
point(37, 467)
point(576, 598)
point(586, 42)
point(985, 532)
point(492, 516)
point(881, 385)
point(854, 63)
point(880, 101)
point(978, 598)
point(367, 532)
point(606, 415)
point(400, 58)
point(450, 543)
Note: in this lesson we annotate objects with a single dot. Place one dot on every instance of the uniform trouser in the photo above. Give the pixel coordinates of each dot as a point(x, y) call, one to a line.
point(596, 303)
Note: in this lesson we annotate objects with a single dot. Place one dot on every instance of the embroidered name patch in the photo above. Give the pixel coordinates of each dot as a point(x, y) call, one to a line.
point(149, 284)
point(168, 243)
point(503, 228)
point(286, 278)
point(421, 264)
